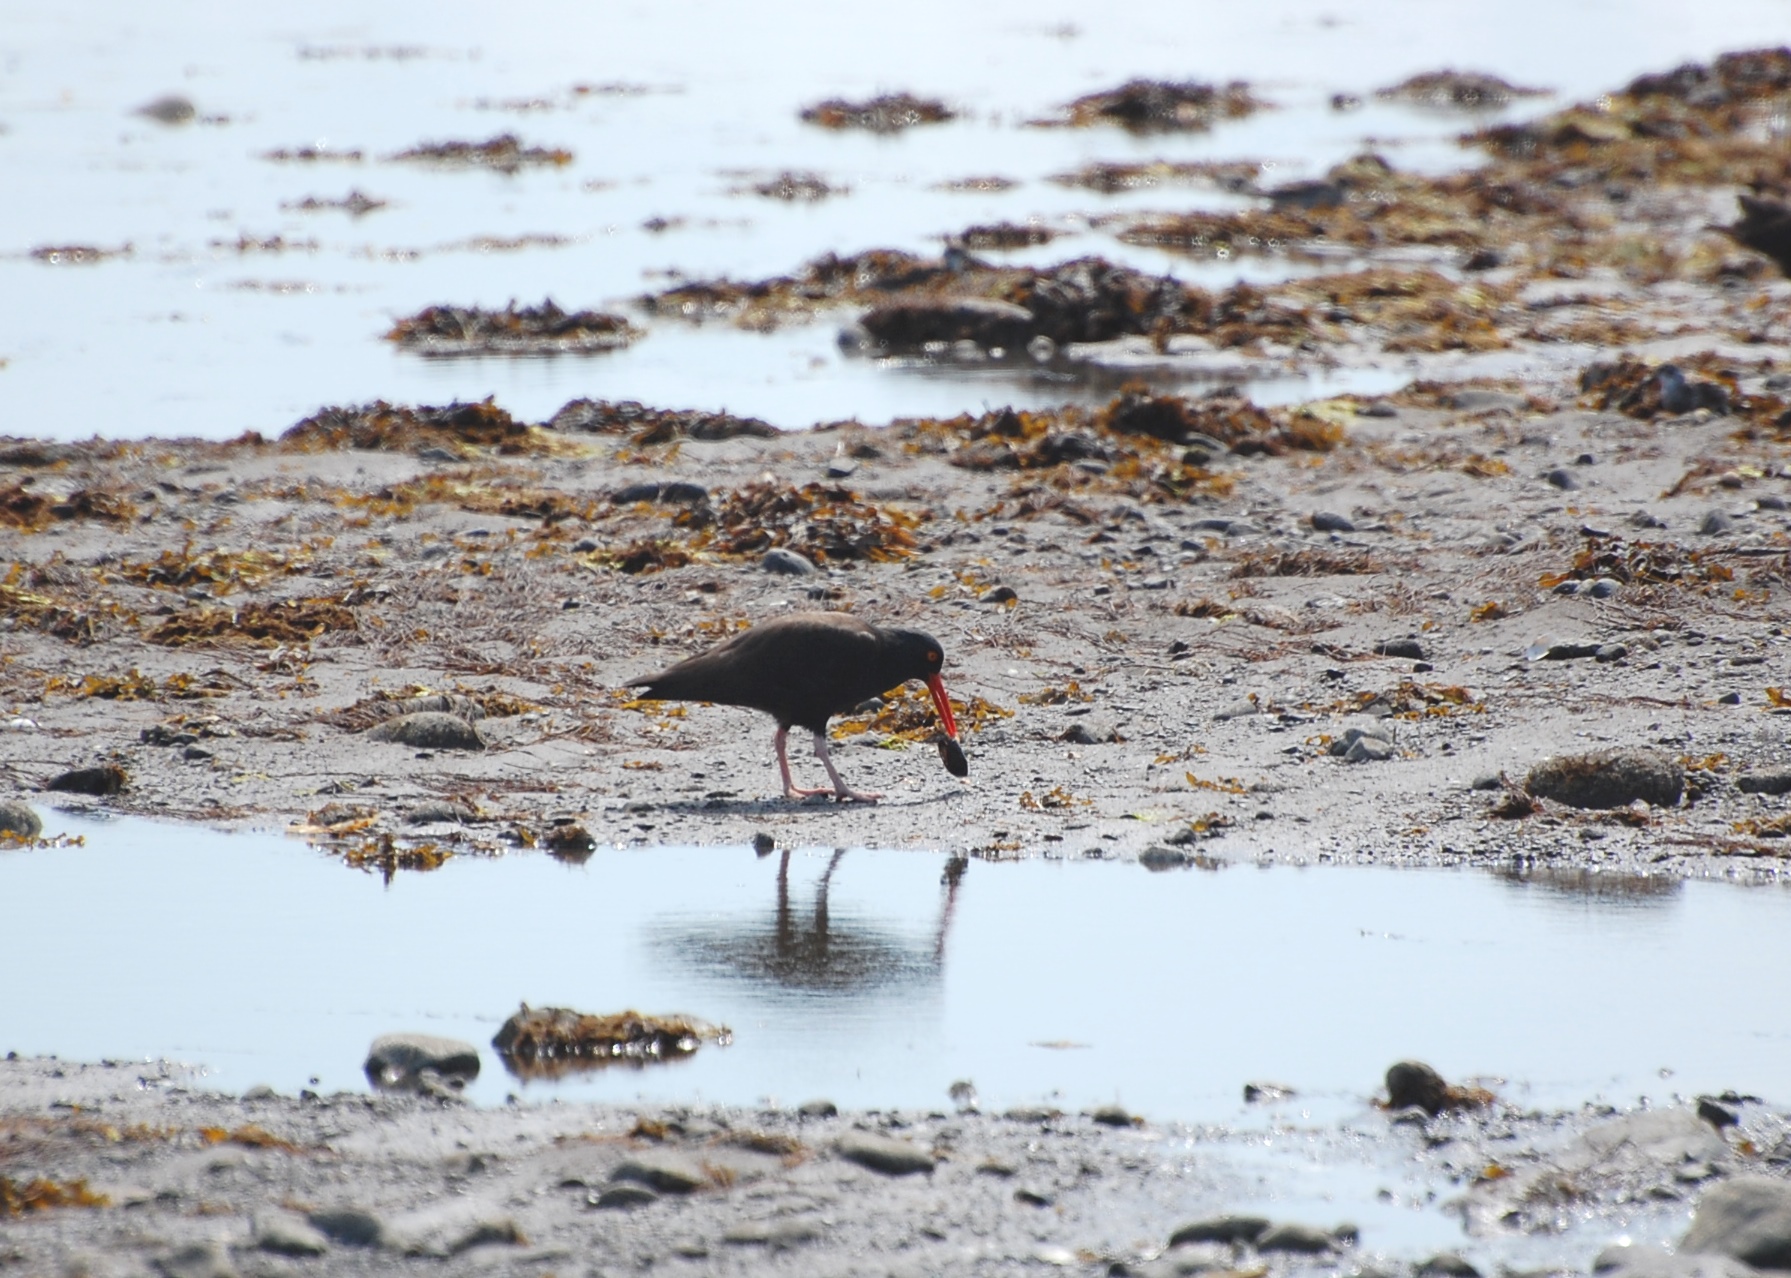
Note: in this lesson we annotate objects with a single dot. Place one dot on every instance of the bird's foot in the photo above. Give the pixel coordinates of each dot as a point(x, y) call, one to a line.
point(857, 796)
point(799, 792)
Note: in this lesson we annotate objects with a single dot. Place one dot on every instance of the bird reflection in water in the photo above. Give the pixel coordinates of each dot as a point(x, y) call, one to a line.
point(812, 952)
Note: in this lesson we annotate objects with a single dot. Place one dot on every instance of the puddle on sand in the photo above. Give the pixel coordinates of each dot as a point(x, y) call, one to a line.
point(864, 977)
point(237, 309)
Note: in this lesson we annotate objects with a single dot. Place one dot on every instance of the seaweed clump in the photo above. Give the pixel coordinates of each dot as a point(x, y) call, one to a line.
point(383, 427)
point(549, 1042)
point(886, 113)
point(527, 330)
point(1161, 106)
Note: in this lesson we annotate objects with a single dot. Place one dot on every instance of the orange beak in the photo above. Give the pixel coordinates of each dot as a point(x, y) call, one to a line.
point(942, 704)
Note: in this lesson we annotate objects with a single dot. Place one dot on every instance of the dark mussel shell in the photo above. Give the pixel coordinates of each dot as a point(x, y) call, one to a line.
point(951, 754)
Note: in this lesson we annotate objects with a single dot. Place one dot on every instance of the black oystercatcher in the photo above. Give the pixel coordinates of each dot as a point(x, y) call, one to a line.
point(804, 669)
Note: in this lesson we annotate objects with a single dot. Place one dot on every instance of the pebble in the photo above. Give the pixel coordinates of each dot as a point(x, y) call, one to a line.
point(624, 1198)
point(285, 1234)
point(1447, 1264)
point(1748, 1218)
point(1115, 1116)
point(431, 811)
point(884, 1154)
point(1562, 478)
point(101, 781)
point(1000, 595)
point(1569, 651)
point(19, 820)
point(1715, 523)
point(1221, 1229)
point(818, 1109)
point(428, 730)
point(1487, 401)
point(450, 1228)
point(788, 563)
point(1771, 501)
point(399, 1060)
point(198, 1260)
point(1238, 710)
point(1341, 746)
point(667, 1175)
point(350, 1226)
point(1331, 521)
point(1414, 1084)
point(1643, 1261)
point(775, 1236)
point(1367, 749)
point(1158, 858)
point(1609, 652)
point(1765, 781)
point(1487, 781)
point(1406, 647)
point(1304, 1239)
point(1263, 1093)
point(1601, 588)
point(170, 108)
point(1609, 778)
point(675, 493)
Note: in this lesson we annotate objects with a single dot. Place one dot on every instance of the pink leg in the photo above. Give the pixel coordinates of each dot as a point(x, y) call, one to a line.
point(840, 788)
point(791, 789)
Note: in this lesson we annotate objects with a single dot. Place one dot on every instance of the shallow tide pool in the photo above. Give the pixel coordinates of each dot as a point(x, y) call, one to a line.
point(865, 977)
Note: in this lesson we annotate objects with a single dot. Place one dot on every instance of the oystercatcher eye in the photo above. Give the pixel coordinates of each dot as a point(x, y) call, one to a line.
point(932, 656)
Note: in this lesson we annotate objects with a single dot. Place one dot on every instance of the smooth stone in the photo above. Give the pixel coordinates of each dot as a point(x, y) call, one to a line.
point(1374, 731)
point(1406, 647)
point(1661, 1137)
point(1447, 1264)
point(1601, 588)
point(1487, 781)
point(1610, 652)
point(624, 1198)
point(1748, 1218)
point(1158, 858)
point(450, 1229)
point(1114, 1116)
point(398, 1060)
point(1561, 478)
point(19, 820)
point(667, 1175)
point(1413, 1084)
point(1221, 1229)
point(1642, 1261)
point(1765, 781)
point(1715, 523)
point(1307, 1240)
point(349, 1226)
point(1609, 778)
point(774, 1235)
point(428, 730)
point(675, 493)
point(1486, 401)
point(884, 1154)
point(1771, 501)
point(1569, 651)
point(198, 1260)
point(1238, 710)
point(287, 1235)
point(1367, 749)
point(433, 811)
point(1264, 1093)
point(818, 1109)
point(1331, 521)
point(787, 562)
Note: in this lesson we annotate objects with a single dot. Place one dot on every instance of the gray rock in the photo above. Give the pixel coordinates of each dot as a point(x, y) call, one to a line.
point(986, 322)
point(350, 1226)
point(1239, 710)
point(1406, 647)
point(624, 1198)
point(1114, 1116)
point(1367, 749)
point(170, 108)
point(884, 1154)
point(19, 820)
point(1765, 781)
point(662, 1172)
point(197, 1260)
point(399, 1060)
point(451, 1228)
point(428, 730)
point(1610, 652)
point(787, 562)
point(1159, 858)
point(287, 1235)
point(1221, 1229)
point(1609, 778)
point(1305, 1240)
point(431, 811)
point(1447, 1264)
point(674, 493)
point(1562, 478)
point(1487, 401)
point(818, 1109)
point(777, 1235)
point(1748, 1218)
point(1715, 523)
point(1377, 732)
point(1656, 1137)
point(1414, 1084)
point(1601, 588)
point(1331, 521)
point(1488, 781)
point(1641, 1261)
